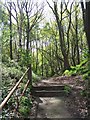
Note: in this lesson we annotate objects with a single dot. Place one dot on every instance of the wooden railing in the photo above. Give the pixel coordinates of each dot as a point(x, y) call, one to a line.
point(29, 76)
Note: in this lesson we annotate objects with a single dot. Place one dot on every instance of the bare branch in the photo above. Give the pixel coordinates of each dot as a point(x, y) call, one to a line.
point(50, 6)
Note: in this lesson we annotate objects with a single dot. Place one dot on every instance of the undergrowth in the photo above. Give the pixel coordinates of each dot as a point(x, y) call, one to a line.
point(11, 73)
point(81, 69)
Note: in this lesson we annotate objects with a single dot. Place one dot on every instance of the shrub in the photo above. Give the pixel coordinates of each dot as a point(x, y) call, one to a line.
point(67, 89)
point(25, 106)
point(82, 68)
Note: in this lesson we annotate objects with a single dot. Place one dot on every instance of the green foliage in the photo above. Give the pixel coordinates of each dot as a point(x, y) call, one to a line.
point(25, 57)
point(22, 86)
point(67, 89)
point(5, 58)
point(70, 72)
point(78, 69)
point(25, 101)
point(25, 106)
point(51, 52)
point(10, 63)
point(11, 101)
point(86, 75)
point(35, 77)
point(84, 93)
point(24, 110)
point(11, 72)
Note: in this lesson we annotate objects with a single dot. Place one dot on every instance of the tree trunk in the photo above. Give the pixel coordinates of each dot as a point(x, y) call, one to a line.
point(77, 46)
point(88, 24)
point(42, 57)
point(66, 63)
point(73, 49)
point(88, 41)
point(10, 34)
point(20, 29)
point(36, 51)
point(27, 45)
point(86, 19)
point(61, 37)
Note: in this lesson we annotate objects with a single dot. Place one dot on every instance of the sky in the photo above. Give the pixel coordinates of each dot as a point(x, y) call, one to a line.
point(47, 11)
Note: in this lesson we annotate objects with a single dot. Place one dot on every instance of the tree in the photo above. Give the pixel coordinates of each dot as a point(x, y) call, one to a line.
point(86, 19)
point(10, 17)
point(88, 23)
point(76, 30)
point(59, 20)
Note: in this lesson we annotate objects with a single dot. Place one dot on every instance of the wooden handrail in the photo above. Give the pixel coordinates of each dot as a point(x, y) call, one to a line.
point(29, 80)
point(26, 85)
point(12, 91)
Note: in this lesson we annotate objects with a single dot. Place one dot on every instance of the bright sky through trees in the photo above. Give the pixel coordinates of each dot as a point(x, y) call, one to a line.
point(47, 10)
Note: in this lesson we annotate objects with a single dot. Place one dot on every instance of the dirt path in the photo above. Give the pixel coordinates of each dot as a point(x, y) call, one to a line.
point(53, 108)
point(72, 106)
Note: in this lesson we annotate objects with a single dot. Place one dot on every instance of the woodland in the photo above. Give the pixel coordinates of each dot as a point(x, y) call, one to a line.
point(53, 45)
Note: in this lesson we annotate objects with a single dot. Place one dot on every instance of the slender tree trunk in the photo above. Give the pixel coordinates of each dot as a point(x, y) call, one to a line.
point(20, 29)
point(10, 33)
point(51, 64)
point(24, 38)
point(56, 54)
point(42, 57)
point(81, 47)
point(15, 48)
point(36, 51)
point(73, 49)
point(77, 46)
point(20, 37)
point(33, 55)
point(27, 45)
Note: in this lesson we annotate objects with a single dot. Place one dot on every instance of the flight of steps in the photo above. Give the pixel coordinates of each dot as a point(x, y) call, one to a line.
point(48, 91)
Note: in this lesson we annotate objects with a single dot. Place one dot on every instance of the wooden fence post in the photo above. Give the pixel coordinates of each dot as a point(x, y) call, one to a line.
point(30, 74)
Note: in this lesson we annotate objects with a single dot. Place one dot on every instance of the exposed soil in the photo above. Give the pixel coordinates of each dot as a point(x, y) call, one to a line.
point(72, 105)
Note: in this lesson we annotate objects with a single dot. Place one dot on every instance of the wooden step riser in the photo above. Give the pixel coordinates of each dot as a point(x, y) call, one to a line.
point(48, 93)
point(48, 88)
